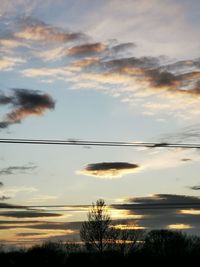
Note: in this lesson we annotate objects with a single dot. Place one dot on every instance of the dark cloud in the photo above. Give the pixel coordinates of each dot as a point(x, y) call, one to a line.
point(163, 210)
point(165, 199)
point(131, 62)
point(10, 224)
point(24, 103)
point(11, 206)
point(86, 49)
point(152, 212)
point(110, 165)
point(5, 100)
point(39, 225)
point(28, 234)
point(151, 73)
point(28, 214)
point(186, 159)
point(17, 169)
point(2, 198)
point(122, 47)
point(195, 187)
point(1, 184)
point(109, 169)
point(159, 78)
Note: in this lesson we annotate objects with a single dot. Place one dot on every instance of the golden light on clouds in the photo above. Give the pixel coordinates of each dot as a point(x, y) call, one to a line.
point(128, 227)
point(7, 63)
point(29, 236)
point(87, 48)
point(190, 212)
point(179, 226)
point(106, 174)
point(123, 214)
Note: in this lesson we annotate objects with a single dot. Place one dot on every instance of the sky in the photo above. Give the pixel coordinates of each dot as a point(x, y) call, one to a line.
point(103, 71)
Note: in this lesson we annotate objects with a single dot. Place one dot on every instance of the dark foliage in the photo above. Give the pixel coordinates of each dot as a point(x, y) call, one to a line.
point(159, 246)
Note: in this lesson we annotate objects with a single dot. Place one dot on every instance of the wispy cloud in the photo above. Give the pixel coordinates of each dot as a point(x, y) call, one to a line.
point(12, 191)
point(109, 169)
point(42, 198)
point(24, 103)
point(165, 159)
point(195, 187)
point(2, 198)
point(11, 170)
point(28, 214)
point(36, 30)
point(87, 49)
point(8, 63)
point(109, 66)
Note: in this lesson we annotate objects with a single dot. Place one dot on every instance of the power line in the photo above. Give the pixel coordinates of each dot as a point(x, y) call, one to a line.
point(97, 143)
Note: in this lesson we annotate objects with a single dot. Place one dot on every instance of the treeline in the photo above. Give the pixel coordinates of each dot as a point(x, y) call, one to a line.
point(162, 246)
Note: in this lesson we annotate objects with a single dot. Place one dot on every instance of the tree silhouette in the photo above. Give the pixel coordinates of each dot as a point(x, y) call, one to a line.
point(166, 243)
point(95, 232)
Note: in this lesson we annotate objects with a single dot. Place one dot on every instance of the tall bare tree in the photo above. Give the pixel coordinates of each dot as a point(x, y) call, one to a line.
point(95, 232)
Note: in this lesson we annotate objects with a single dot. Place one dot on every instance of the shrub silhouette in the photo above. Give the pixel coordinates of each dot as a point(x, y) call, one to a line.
point(165, 243)
point(48, 252)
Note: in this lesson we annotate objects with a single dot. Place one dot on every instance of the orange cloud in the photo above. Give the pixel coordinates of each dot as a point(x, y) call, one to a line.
point(45, 33)
point(87, 48)
point(85, 62)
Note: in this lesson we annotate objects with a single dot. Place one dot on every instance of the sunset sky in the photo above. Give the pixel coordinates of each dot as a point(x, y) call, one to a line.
point(106, 70)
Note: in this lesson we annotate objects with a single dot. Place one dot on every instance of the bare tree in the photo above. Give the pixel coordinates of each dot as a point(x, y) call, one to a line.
point(96, 231)
point(126, 238)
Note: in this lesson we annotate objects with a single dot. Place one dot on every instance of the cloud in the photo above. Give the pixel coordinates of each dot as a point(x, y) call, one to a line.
point(17, 169)
point(28, 214)
point(1, 184)
point(122, 47)
point(85, 62)
point(180, 226)
point(28, 234)
point(134, 77)
point(25, 103)
point(12, 191)
point(186, 159)
point(7, 63)
point(46, 72)
point(195, 187)
point(162, 210)
point(2, 198)
point(167, 159)
point(165, 199)
point(11, 206)
point(109, 169)
point(36, 30)
point(86, 49)
point(147, 80)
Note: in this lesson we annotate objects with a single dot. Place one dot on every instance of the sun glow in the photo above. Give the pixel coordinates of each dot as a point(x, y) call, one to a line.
point(180, 226)
point(128, 227)
point(190, 212)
